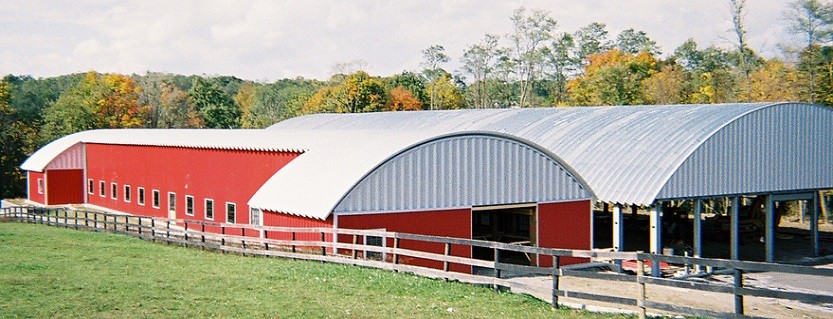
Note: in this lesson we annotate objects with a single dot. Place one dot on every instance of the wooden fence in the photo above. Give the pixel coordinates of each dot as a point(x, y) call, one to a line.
point(386, 252)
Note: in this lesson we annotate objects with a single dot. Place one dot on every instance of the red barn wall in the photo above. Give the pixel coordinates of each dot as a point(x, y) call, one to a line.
point(222, 175)
point(65, 186)
point(286, 220)
point(32, 180)
point(448, 223)
point(564, 225)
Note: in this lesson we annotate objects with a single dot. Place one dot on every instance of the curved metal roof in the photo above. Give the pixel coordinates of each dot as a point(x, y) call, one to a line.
point(253, 140)
point(327, 175)
point(626, 154)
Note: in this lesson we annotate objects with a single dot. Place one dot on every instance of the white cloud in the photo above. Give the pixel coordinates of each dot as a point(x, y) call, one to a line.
point(266, 40)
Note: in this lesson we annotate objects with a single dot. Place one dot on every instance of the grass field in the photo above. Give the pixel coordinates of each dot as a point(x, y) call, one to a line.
point(52, 272)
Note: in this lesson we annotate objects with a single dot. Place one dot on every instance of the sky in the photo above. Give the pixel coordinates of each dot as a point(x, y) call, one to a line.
point(270, 40)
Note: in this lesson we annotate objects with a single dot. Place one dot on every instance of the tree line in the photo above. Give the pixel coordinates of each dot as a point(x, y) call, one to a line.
point(535, 64)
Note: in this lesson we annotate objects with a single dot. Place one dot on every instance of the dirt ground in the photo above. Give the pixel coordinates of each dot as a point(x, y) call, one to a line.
point(753, 306)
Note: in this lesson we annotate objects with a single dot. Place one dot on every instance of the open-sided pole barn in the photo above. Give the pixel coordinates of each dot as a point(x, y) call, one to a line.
point(645, 156)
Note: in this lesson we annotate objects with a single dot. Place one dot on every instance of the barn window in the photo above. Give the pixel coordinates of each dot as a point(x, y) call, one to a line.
point(254, 216)
point(127, 194)
point(114, 191)
point(156, 199)
point(209, 208)
point(141, 199)
point(90, 186)
point(189, 205)
point(101, 188)
point(171, 201)
point(231, 213)
point(40, 185)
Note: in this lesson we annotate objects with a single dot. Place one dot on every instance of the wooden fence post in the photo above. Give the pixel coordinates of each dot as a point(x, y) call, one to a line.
point(738, 294)
point(153, 229)
point(202, 235)
point(223, 236)
point(355, 242)
point(168, 231)
point(293, 241)
point(265, 238)
point(497, 271)
point(556, 274)
point(447, 253)
point(396, 250)
point(323, 248)
point(640, 272)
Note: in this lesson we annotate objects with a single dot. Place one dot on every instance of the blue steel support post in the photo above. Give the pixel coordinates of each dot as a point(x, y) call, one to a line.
point(814, 223)
point(769, 233)
point(698, 230)
point(734, 230)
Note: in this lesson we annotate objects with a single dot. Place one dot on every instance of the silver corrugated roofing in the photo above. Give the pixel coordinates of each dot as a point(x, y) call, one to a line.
point(627, 154)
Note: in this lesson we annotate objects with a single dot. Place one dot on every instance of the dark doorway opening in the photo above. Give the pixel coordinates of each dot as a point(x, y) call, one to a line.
point(513, 225)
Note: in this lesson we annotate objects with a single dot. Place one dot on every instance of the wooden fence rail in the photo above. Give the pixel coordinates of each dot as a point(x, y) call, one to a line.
point(348, 246)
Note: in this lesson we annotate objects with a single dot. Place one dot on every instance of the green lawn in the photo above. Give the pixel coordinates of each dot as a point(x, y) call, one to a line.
point(53, 272)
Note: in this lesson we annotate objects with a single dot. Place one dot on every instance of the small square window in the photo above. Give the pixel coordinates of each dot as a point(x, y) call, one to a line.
point(209, 209)
point(141, 199)
point(254, 216)
point(114, 190)
point(40, 185)
point(90, 186)
point(231, 213)
point(127, 193)
point(171, 201)
point(101, 189)
point(189, 205)
point(156, 199)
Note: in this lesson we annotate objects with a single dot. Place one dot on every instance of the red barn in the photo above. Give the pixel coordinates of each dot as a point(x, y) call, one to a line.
point(475, 184)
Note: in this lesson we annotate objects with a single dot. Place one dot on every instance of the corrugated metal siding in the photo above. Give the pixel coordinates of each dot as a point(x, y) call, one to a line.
point(775, 149)
point(71, 158)
point(463, 171)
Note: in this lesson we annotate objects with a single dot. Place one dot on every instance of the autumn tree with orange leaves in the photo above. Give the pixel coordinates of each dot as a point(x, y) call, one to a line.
point(400, 99)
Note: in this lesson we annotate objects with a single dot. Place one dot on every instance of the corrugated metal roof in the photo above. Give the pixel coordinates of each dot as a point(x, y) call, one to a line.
point(626, 154)
point(313, 184)
point(254, 140)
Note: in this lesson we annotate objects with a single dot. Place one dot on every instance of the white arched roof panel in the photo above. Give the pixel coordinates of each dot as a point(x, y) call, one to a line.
point(254, 140)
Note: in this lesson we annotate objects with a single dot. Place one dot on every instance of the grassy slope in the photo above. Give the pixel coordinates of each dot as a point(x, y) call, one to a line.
point(52, 272)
